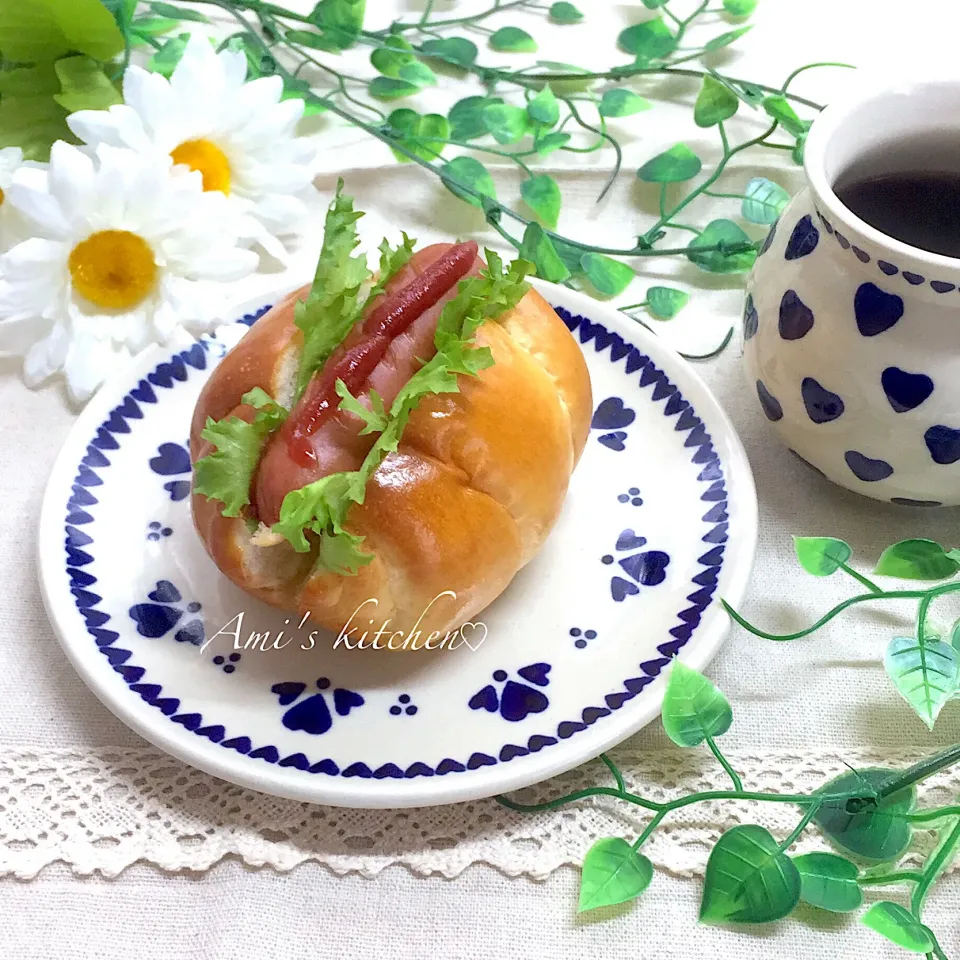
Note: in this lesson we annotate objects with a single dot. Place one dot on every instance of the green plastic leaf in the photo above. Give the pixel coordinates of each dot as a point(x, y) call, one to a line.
point(748, 880)
point(165, 60)
point(387, 88)
point(729, 234)
point(472, 173)
point(546, 144)
point(339, 20)
point(779, 109)
point(916, 560)
point(654, 4)
point(32, 123)
point(613, 872)
point(544, 107)
point(538, 249)
point(507, 123)
point(798, 152)
point(829, 882)
point(513, 40)
point(821, 556)
point(739, 8)
point(466, 117)
point(715, 103)
point(454, 50)
point(725, 39)
point(651, 40)
point(397, 61)
point(308, 38)
point(41, 31)
point(622, 103)
point(425, 136)
point(609, 277)
point(925, 674)
point(899, 926)
point(693, 708)
point(675, 165)
point(541, 194)
point(153, 26)
point(178, 13)
point(955, 636)
point(417, 73)
point(84, 85)
point(665, 303)
point(564, 12)
point(764, 201)
point(877, 833)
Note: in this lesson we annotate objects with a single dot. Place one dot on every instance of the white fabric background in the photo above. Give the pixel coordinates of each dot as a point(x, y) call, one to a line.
point(795, 705)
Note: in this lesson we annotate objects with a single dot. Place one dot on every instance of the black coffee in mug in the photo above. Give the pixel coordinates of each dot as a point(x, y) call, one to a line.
point(920, 207)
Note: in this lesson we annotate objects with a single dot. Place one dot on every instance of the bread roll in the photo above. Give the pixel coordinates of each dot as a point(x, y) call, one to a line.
point(468, 498)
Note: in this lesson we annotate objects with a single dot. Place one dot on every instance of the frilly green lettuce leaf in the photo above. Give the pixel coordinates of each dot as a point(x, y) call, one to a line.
point(322, 507)
point(227, 473)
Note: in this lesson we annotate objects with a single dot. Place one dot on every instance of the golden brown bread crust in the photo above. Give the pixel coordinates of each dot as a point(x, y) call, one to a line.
point(469, 497)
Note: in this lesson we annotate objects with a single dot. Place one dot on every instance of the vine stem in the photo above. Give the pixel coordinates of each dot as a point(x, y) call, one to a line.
point(866, 581)
point(926, 816)
point(731, 773)
point(799, 799)
point(920, 771)
point(615, 770)
point(901, 876)
point(648, 831)
point(728, 154)
point(800, 827)
point(945, 853)
point(827, 617)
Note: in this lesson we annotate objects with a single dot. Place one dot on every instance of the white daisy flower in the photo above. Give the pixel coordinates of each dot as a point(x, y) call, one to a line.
point(240, 135)
point(11, 159)
point(121, 255)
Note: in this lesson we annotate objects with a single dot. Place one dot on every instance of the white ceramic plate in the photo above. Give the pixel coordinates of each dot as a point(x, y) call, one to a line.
point(660, 522)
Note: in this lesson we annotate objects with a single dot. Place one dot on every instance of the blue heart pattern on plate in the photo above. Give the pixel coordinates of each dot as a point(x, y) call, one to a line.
point(612, 415)
point(157, 618)
point(647, 568)
point(312, 714)
point(171, 460)
point(514, 701)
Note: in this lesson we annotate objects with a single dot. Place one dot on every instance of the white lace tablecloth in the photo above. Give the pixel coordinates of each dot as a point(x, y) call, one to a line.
point(109, 848)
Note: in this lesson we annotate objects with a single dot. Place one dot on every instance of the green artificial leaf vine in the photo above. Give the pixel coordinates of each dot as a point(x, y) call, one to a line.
point(752, 877)
point(924, 668)
point(530, 110)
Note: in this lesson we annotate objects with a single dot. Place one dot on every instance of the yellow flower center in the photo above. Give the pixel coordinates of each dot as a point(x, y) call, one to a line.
point(3, 197)
point(209, 159)
point(114, 269)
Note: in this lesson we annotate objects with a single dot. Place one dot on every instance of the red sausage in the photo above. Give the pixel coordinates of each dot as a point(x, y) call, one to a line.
point(384, 323)
point(320, 398)
point(392, 317)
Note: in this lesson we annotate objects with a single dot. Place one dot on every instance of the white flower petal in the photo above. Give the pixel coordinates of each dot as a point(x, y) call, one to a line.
point(10, 160)
point(71, 178)
point(46, 356)
point(89, 362)
point(17, 336)
point(40, 209)
point(120, 126)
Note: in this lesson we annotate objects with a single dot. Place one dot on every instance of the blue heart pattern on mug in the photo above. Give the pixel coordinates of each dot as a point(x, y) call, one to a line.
point(515, 701)
point(647, 568)
point(876, 310)
point(312, 714)
point(172, 459)
point(157, 618)
point(613, 416)
point(803, 241)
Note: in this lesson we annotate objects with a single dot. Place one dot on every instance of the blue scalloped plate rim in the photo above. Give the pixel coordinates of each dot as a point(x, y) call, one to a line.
point(97, 647)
